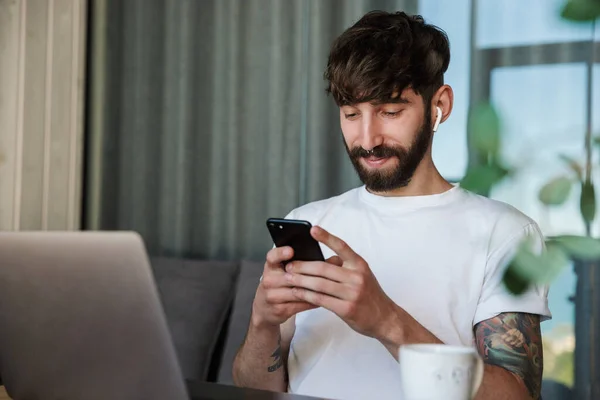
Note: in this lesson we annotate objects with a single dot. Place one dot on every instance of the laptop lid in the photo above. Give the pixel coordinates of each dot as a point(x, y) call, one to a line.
point(80, 318)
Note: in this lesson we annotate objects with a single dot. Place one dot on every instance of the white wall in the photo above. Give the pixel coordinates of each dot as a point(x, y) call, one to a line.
point(42, 44)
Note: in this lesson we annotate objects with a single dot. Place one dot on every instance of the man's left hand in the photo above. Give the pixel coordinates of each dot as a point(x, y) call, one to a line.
point(345, 285)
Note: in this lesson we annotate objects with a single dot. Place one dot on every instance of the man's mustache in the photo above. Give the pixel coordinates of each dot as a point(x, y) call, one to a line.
point(377, 152)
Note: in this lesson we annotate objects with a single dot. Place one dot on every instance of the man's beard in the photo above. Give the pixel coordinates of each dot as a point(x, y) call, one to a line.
point(385, 180)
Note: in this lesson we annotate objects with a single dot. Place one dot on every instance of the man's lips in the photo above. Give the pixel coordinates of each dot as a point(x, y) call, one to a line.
point(375, 162)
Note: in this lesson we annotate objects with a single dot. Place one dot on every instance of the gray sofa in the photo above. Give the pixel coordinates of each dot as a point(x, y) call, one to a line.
point(208, 306)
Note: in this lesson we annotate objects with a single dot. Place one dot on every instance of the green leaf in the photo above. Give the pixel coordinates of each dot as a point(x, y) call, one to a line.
point(556, 191)
point(484, 125)
point(596, 140)
point(574, 165)
point(581, 10)
point(515, 283)
point(587, 202)
point(529, 268)
point(480, 179)
point(580, 247)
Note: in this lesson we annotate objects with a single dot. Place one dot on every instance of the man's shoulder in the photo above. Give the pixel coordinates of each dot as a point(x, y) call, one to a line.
point(315, 210)
point(497, 211)
point(503, 221)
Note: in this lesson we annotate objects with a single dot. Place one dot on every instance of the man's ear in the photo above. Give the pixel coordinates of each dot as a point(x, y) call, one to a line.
point(444, 99)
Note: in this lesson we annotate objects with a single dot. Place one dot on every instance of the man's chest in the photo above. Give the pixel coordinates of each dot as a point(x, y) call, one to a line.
point(434, 271)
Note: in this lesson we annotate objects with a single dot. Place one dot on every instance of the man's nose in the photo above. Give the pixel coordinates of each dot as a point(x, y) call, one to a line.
point(370, 135)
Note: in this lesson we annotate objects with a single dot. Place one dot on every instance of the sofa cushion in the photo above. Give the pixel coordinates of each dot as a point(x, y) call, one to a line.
point(196, 296)
point(248, 279)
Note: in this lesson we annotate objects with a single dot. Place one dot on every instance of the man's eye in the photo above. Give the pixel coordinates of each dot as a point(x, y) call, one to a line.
point(391, 113)
point(350, 116)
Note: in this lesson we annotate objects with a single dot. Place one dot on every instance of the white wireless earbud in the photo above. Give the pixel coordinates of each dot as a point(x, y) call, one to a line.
point(438, 119)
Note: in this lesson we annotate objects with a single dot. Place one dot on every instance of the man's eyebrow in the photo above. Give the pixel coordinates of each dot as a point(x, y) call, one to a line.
point(379, 102)
point(397, 100)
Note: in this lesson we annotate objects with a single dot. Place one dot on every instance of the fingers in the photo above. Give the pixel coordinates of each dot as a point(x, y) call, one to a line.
point(277, 255)
point(320, 285)
point(333, 304)
point(273, 279)
point(334, 243)
point(332, 272)
point(296, 307)
point(280, 295)
point(274, 301)
point(279, 313)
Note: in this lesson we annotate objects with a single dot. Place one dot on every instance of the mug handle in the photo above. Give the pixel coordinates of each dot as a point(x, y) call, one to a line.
point(478, 378)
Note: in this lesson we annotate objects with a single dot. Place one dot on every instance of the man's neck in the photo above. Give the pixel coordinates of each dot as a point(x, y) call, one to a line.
point(425, 181)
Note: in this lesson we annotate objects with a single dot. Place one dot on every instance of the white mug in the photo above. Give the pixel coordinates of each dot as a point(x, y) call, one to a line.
point(438, 371)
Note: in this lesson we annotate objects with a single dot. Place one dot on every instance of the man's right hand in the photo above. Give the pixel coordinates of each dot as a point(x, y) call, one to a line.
point(274, 302)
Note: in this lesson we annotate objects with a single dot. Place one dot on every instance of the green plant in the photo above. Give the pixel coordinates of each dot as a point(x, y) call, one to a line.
point(581, 10)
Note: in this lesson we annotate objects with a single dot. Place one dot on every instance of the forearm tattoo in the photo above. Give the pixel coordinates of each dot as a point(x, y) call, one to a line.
point(277, 358)
point(513, 341)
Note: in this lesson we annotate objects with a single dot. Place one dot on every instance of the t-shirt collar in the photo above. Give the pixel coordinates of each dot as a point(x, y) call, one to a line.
point(409, 202)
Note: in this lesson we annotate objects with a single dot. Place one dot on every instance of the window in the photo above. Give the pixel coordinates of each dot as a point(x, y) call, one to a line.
point(515, 23)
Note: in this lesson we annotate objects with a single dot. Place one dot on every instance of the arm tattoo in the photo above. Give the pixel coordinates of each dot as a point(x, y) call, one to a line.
point(277, 359)
point(513, 341)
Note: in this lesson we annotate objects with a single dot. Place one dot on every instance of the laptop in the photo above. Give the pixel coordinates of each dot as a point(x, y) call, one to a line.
point(80, 318)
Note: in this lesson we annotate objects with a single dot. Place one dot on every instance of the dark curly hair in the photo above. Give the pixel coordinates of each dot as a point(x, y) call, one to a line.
point(384, 53)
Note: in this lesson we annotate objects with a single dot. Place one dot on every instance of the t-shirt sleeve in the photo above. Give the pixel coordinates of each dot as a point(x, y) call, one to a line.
point(495, 298)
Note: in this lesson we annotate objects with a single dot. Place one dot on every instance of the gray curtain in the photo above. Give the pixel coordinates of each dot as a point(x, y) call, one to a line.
point(207, 117)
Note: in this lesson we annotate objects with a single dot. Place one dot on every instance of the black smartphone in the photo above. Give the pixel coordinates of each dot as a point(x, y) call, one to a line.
point(296, 234)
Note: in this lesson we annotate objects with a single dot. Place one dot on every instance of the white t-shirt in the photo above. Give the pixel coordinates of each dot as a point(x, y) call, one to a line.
point(439, 257)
